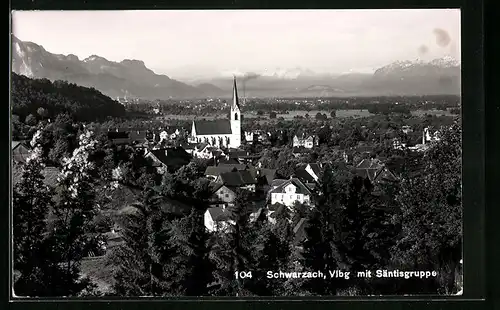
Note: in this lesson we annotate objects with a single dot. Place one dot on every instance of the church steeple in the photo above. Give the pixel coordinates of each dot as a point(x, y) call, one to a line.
point(235, 118)
point(235, 105)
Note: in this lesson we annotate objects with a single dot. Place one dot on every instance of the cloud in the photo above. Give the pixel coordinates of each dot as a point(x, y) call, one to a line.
point(442, 37)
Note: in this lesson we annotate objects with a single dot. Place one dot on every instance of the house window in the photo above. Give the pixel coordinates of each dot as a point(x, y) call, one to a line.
point(226, 195)
point(298, 197)
point(235, 116)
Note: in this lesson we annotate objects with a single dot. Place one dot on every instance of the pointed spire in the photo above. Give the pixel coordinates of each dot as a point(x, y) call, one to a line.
point(235, 95)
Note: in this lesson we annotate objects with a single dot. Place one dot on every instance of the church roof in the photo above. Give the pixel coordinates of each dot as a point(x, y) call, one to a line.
point(235, 103)
point(215, 127)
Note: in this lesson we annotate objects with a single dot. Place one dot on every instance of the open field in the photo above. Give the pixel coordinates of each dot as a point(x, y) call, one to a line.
point(432, 112)
point(287, 116)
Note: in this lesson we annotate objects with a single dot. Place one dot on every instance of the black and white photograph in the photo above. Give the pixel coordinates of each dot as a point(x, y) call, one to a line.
point(236, 153)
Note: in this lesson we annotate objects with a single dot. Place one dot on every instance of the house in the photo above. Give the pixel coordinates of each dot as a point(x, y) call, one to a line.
point(50, 175)
point(138, 136)
point(238, 179)
point(309, 173)
point(428, 137)
point(375, 171)
point(20, 151)
point(218, 218)
point(406, 129)
point(288, 192)
point(204, 150)
point(170, 133)
point(168, 159)
point(255, 136)
point(397, 144)
point(213, 172)
point(306, 141)
point(223, 195)
point(300, 151)
point(118, 137)
point(222, 132)
point(189, 148)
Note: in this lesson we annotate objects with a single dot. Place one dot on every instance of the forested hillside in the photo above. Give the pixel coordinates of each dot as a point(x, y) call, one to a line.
point(83, 104)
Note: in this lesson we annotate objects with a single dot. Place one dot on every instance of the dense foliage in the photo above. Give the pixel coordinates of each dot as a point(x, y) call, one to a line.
point(84, 104)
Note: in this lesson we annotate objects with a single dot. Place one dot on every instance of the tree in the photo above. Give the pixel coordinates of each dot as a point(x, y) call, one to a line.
point(137, 263)
point(431, 217)
point(42, 112)
point(272, 115)
point(333, 114)
point(30, 120)
point(320, 117)
point(324, 135)
point(31, 201)
point(188, 270)
point(320, 252)
point(70, 235)
point(233, 251)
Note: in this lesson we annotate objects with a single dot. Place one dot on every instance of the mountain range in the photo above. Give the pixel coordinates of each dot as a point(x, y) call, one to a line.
point(131, 78)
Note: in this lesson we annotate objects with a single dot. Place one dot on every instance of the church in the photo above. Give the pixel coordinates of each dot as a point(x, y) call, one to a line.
point(220, 132)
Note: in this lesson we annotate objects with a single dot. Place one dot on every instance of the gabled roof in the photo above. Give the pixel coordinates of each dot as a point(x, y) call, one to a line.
point(231, 165)
point(237, 153)
point(299, 231)
point(14, 144)
point(369, 174)
point(188, 146)
point(315, 168)
point(214, 186)
point(201, 146)
point(268, 174)
point(175, 156)
point(386, 175)
point(215, 127)
point(303, 175)
point(230, 161)
point(118, 135)
point(216, 171)
point(277, 182)
point(301, 187)
point(219, 214)
point(370, 164)
point(237, 178)
point(20, 151)
point(137, 135)
point(50, 175)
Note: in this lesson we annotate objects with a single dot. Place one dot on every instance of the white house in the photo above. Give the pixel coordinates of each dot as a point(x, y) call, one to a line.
point(288, 192)
point(217, 218)
point(222, 132)
point(307, 142)
point(427, 136)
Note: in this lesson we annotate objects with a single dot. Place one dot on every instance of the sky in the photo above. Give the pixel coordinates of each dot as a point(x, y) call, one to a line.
point(178, 43)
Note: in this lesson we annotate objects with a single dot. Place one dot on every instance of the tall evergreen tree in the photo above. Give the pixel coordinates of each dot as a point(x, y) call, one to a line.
point(320, 252)
point(233, 251)
point(144, 230)
point(31, 202)
point(188, 270)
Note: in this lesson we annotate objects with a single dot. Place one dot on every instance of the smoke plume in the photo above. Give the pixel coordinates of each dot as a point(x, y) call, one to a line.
point(249, 76)
point(442, 37)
